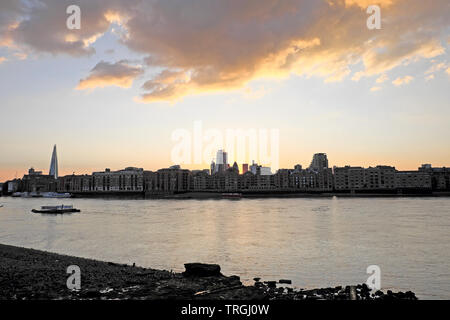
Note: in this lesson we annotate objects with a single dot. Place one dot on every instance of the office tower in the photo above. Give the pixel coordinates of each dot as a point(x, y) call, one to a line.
point(221, 161)
point(213, 167)
point(235, 167)
point(244, 168)
point(254, 167)
point(54, 164)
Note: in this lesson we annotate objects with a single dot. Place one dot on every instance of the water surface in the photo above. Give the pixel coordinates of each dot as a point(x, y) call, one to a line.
point(315, 242)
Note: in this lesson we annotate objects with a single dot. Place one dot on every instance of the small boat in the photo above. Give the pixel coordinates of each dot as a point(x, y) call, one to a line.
point(232, 195)
point(56, 209)
point(56, 195)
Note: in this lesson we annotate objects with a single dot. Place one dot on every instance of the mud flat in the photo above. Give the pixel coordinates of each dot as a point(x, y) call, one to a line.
point(33, 274)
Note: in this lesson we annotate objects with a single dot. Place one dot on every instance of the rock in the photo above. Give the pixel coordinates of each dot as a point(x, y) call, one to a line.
point(233, 280)
point(256, 279)
point(91, 294)
point(285, 281)
point(271, 284)
point(201, 270)
point(410, 295)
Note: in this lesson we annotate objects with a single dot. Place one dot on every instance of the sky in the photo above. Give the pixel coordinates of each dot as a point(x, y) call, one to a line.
point(132, 84)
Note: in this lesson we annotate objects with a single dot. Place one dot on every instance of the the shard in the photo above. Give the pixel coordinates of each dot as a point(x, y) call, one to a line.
point(54, 164)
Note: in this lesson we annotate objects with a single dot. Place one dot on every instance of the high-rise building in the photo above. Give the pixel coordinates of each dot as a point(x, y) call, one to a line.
point(54, 164)
point(319, 162)
point(221, 161)
point(244, 168)
point(213, 167)
point(254, 168)
point(235, 167)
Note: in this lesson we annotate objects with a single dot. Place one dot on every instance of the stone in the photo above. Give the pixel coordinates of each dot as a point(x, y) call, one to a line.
point(285, 281)
point(92, 294)
point(201, 270)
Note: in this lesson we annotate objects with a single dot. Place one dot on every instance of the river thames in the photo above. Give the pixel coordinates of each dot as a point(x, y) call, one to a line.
point(315, 242)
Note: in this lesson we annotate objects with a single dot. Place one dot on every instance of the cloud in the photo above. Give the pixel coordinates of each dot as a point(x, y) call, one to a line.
point(365, 3)
point(430, 77)
point(120, 74)
point(436, 67)
point(40, 25)
point(373, 89)
point(214, 45)
point(382, 78)
point(2, 59)
point(448, 71)
point(10, 12)
point(401, 81)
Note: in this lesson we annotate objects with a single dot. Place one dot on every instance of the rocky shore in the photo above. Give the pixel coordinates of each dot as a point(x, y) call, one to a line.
point(33, 274)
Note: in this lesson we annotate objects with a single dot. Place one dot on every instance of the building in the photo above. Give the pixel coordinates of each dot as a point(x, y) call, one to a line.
point(221, 161)
point(54, 164)
point(413, 180)
point(173, 180)
point(200, 180)
point(265, 171)
point(32, 172)
point(37, 182)
point(319, 162)
point(380, 178)
point(244, 168)
point(235, 167)
point(126, 180)
point(75, 183)
point(348, 178)
point(213, 167)
point(282, 179)
point(13, 186)
point(255, 168)
point(440, 177)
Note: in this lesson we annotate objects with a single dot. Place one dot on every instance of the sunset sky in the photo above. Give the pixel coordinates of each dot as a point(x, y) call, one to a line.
point(112, 93)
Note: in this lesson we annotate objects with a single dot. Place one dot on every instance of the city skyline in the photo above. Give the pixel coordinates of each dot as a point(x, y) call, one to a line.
point(318, 162)
point(112, 93)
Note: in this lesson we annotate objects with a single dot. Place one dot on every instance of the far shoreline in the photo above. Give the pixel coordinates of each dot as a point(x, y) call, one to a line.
point(250, 195)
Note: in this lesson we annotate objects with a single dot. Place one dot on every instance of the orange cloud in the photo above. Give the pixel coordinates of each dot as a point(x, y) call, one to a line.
point(366, 3)
point(223, 45)
point(373, 89)
point(120, 74)
point(401, 81)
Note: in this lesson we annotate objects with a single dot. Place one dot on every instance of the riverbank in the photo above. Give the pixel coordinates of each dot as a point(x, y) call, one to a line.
point(255, 194)
point(34, 274)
